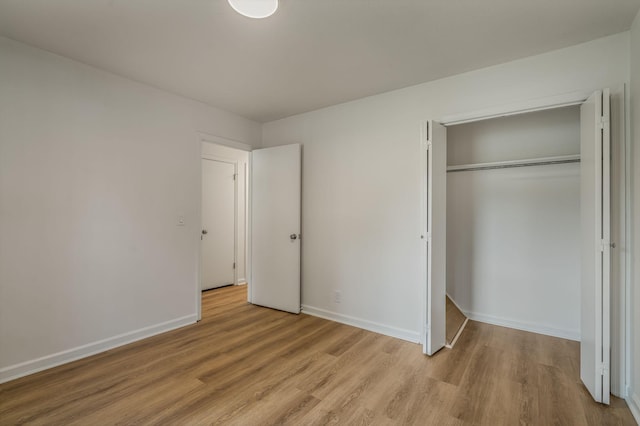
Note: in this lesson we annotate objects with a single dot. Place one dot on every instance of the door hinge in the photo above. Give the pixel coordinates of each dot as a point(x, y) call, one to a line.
point(603, 122)
point(426, 134)
point(234, 265)
point(234, 176)
point(603, 369)
point(604, 244)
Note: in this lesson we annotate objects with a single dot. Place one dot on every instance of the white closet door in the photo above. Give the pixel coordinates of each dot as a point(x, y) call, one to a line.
point(434, 149)
point(595, 176)
point(218, 224)
point(275, 227)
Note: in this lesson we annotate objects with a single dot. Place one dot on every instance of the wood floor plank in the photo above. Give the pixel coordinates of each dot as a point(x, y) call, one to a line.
point(247, 365)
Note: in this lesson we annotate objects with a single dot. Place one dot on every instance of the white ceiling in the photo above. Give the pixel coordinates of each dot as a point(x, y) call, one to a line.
point(311, 53)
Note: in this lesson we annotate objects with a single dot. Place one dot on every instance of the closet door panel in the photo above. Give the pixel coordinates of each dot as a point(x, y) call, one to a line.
point(595, 242)
point(435, 235)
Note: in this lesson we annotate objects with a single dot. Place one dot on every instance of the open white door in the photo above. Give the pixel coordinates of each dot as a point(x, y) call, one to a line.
point(595, 176)
point(275, 227)
point(434, 235)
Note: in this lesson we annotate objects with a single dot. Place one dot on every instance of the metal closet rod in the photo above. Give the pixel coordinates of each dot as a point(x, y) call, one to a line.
point(562, 159)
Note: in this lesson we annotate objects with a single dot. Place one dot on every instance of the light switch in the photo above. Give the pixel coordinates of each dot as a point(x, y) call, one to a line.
point(180, 220)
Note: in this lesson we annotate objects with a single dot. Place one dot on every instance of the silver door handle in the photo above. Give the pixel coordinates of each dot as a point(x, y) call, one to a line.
point(293, 236)
point(205, 232)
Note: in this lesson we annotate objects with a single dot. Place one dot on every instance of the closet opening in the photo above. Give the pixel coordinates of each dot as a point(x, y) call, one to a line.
point(513, 221)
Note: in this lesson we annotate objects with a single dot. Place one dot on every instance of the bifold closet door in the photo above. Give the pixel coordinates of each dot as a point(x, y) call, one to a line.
point(595, 195)
point(275, 227)
point(434, 234)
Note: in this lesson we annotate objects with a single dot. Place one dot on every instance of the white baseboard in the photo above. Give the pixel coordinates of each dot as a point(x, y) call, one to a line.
point(525, 326)
point(633, 401)
point(33, 366)
point(242, 281)
point(411, 336)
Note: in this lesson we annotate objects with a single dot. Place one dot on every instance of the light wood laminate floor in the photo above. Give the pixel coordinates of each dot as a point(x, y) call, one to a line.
point(247, 365)
point(455, 320)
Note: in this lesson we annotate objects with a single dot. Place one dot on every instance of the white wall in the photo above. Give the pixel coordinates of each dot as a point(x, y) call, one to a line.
point(634, 392)
point(94, 171)
point(513, 241)
point(361, 176)
point(547, 133)
point(213, 149)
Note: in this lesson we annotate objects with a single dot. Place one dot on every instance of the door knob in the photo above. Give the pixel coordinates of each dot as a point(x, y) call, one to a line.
point(293, 236)
point(205, 232)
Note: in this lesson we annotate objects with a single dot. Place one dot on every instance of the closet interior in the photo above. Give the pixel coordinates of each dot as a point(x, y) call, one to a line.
point(513, 222)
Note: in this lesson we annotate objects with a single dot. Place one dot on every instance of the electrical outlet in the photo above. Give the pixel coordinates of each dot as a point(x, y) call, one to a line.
point(337, 296)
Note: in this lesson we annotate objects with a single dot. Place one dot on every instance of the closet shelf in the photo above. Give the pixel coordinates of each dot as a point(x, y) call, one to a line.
point(561, 159)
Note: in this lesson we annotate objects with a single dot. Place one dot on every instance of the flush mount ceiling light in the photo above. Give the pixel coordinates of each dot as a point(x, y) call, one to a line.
point(254, 8)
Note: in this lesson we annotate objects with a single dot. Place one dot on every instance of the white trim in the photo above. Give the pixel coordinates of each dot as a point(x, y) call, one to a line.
point(206, 137)
point(515, 108)
point(249, 238)
point(524, 326)
point(458, 333)
point(247, 230)
point(629, 251)
point(400, 333)
point(49, 361)
point(633, 401)
point(236, 221)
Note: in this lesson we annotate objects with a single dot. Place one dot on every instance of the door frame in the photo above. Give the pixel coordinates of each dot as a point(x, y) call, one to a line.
point(620, 306)
point(206, 138)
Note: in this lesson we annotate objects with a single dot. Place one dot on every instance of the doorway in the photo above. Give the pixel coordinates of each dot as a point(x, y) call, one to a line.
point(224, 193)
point(267, 203)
